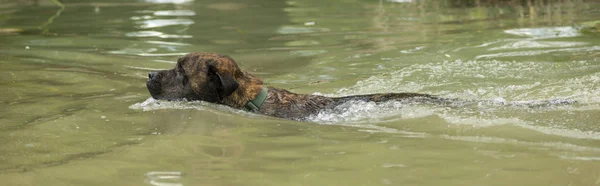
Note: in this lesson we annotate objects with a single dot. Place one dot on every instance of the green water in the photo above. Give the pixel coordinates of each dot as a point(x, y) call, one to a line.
point(75, 110)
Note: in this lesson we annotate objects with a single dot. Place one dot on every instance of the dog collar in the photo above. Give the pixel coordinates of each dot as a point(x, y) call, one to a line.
point(258, 101)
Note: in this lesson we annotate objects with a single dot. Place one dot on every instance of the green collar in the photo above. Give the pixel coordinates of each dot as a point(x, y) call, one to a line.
point(258, 101)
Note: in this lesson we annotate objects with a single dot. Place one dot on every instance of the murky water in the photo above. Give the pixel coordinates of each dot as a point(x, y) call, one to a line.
point(76, 111)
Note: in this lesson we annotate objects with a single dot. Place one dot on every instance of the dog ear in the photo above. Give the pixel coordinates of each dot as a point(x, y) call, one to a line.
point(224, 83)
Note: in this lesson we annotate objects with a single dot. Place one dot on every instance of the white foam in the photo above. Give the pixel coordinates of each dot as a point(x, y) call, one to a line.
point(371, 112)
point(531, 81)
point(533, 44)
point(524, 94)
point(153, 104)
point(488, 92)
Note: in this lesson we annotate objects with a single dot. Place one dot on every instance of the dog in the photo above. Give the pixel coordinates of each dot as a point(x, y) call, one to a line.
point(216, 78)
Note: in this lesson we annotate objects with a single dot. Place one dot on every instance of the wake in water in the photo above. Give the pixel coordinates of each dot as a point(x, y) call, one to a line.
point(153, 104)
point(537, 91)
point(534, 95)
point(363, 111)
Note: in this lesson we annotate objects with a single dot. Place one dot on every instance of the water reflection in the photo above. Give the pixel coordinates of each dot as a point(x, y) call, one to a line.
point(155, 23)
point(170, 1)
point(524, 44)
point(175, 13)
point(308, 52)
point(160, 178)
point(582, 50)
point(144, 34)
point(68, 93)
point(154, 26)
point(543, 33)
point(154, 34)
point(300, 30)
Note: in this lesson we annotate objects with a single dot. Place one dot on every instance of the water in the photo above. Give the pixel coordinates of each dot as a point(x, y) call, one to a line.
point(76, 110)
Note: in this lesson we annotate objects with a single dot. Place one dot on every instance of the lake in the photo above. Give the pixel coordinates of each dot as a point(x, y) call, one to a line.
point(76, 111)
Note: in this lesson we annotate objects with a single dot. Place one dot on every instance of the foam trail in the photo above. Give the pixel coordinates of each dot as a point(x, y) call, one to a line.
point(153, 104)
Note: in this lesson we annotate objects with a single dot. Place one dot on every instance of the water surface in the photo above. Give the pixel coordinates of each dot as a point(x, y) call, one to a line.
point(76, 110)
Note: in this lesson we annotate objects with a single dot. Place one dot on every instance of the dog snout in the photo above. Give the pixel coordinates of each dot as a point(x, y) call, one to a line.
point(151, 75)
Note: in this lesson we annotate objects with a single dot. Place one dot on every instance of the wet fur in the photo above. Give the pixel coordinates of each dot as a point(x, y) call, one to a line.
point(216, 78)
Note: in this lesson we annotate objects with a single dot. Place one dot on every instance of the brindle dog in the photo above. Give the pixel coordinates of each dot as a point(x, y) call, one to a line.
point(217, 79)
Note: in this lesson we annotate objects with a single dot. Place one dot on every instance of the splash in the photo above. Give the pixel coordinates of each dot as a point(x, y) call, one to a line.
point(153, 104)
point(488, 80)
point(537, 96)
point(532, 95)
point(371, 112)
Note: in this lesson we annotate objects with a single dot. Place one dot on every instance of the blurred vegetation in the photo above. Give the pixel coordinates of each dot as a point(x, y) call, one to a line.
point(525, 12)
point(590, 27)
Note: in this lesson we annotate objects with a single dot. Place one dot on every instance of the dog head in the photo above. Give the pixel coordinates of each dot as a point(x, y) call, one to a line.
point(205, 76)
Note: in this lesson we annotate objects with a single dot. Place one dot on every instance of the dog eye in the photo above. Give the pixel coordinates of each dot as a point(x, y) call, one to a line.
point(179, 68)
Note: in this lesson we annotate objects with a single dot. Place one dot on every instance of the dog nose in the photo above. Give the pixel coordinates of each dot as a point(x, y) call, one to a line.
point(152, 74)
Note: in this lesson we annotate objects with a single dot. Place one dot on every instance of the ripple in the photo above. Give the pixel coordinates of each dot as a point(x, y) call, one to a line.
point(227, 6)
point(175, 36)
point(570, 133)
point(489, 79)
point(167, 43)
point(302, 43)
point(164, 178)
point(170, 1)
point(145, 52)
point(374, 112)
point(135, 18)
point(556, 145)
point(413, 50)
point(154, 34)
point(538, 52)
point(134, 51)
point(477, 121)
point(371, 112)
point(551, 98)
point(175, 13)
point(546, 32)
point(142, 68)
point(400, 1)
point(144, 34)
point(153, 104)
point(155, 23)
point(300, 30)
point(307, 52)
point(582, 158)
point(162, 54)
point(538, 44)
